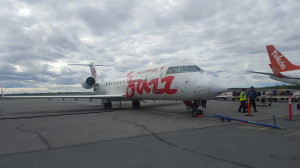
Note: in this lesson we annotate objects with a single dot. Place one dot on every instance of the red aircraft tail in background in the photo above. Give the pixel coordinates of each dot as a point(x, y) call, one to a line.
point(281, 67)
point(279, 61)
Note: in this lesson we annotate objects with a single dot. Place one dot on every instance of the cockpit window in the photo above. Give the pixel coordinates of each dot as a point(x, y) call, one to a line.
point(174, 70)
point(192, 68)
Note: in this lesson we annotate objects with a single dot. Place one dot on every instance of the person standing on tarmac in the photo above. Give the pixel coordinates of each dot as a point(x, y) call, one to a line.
point(253, 96)
point(203, 103)
point(243, 99)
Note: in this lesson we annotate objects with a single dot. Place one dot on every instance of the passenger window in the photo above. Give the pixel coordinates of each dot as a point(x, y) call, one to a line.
point(174, 70)
point(192, 68)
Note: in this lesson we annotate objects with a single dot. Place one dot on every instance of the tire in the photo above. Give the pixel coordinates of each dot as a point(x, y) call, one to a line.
point(195, 113)
point(134, 104)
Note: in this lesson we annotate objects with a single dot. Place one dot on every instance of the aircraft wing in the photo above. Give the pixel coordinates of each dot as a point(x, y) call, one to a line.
point(265, 73)
point(111, 97)
point(272, 74)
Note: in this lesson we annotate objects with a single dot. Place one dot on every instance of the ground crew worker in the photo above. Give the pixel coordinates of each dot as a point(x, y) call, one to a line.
point(243, 98)
point(203, 103)
point(253, 96)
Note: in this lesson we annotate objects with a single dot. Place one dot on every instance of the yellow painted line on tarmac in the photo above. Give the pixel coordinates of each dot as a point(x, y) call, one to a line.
point(261, 129)
point(253, 128)
point(293, 133)
point(180, 115)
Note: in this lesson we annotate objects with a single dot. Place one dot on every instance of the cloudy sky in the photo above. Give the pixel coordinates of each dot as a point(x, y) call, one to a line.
point(38, 38)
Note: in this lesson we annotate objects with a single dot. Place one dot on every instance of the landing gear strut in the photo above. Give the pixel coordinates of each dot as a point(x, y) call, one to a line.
point(107, 104)
point(196, 109)
point(136, 104)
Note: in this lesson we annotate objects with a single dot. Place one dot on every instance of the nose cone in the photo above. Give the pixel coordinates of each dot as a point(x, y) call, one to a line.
point(217, 86)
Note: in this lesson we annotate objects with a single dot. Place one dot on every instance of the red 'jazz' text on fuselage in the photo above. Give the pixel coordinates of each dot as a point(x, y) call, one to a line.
point(140, 86)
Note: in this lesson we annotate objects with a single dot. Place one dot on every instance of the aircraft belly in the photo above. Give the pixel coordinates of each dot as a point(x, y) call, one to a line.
point(291, 81)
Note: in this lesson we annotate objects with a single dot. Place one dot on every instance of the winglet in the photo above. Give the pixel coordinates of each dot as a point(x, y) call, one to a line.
point(279, 61)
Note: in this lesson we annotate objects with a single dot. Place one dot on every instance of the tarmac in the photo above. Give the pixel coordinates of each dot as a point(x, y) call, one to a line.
point(75, 134)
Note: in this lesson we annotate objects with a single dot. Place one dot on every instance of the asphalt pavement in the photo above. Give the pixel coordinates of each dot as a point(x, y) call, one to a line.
point(42, 133)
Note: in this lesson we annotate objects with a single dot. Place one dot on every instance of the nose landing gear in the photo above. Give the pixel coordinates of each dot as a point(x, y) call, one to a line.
point(196, 112)
point(195, 106)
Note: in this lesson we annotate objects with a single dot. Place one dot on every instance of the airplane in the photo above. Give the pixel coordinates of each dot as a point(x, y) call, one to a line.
point(173, 81)
point(283, 69)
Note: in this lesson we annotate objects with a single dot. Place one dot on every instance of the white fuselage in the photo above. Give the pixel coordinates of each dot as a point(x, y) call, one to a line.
point(290, 77)
point(161, 83)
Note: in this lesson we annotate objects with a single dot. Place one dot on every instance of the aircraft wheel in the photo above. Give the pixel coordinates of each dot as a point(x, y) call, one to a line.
point(136, 104)
point(195, 113)
point(187, 107)
point(200, 112)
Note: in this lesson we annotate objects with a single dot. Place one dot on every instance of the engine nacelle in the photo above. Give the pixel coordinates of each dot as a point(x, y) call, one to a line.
point(89, 83)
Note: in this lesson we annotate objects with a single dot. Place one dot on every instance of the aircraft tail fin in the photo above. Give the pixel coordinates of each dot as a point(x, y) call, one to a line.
point(279, 61)
point(92, 68)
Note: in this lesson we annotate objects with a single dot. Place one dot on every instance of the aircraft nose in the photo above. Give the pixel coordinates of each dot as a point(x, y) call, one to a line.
point(217, 86)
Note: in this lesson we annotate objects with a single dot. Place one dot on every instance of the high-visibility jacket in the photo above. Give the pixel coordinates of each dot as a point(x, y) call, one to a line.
point(243, 96)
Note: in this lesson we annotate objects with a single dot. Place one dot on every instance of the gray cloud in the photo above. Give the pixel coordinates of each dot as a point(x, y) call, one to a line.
point(227, 37)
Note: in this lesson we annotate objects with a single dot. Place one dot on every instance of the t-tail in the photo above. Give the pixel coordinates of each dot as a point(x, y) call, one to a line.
point(279, 62)
point(90, 82)
point(92, 68)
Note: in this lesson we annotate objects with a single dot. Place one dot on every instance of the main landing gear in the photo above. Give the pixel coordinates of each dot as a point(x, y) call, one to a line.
point(107, 104)
point(136, 104)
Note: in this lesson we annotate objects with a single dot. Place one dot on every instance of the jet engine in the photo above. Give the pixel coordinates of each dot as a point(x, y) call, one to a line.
point(89, 83)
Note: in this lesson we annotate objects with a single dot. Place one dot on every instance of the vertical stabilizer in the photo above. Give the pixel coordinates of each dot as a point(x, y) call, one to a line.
point(92, 68)
point(279, 61)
